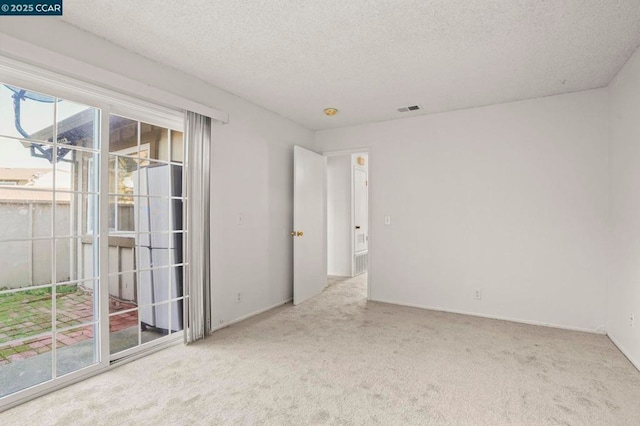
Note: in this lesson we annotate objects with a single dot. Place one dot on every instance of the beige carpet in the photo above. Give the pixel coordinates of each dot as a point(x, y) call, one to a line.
point(340, 360)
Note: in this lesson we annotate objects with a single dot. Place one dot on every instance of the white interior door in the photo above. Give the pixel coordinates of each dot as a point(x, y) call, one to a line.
point(309, 224)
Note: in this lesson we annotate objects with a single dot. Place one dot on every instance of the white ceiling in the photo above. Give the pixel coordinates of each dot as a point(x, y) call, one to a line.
point(367, 58)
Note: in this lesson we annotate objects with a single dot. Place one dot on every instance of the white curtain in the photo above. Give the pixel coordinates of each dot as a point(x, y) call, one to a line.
point(198, 277)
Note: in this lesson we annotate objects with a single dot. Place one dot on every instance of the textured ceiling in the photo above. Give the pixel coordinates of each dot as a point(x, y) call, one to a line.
point(368, 58)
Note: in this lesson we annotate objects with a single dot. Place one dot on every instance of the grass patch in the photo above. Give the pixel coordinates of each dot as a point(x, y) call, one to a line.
point(6, 352)
point(44, 291)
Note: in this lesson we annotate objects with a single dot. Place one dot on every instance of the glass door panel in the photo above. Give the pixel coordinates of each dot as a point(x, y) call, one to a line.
point(145, 233)
point(48, 246)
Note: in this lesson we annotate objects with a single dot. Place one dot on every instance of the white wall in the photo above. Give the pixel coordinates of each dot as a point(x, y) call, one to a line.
point(252, 168)
point(624, 285)
point(511, 199)
point(339, 216)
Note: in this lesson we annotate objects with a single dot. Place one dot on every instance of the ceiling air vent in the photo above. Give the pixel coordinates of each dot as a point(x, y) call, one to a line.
point(410, 108)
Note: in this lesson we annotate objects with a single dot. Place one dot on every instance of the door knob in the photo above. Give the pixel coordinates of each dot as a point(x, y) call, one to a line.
point(293, 233)
point(300, 233)
point(357, 226)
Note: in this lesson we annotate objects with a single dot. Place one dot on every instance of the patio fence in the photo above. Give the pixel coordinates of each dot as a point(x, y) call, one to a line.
point(25, 262)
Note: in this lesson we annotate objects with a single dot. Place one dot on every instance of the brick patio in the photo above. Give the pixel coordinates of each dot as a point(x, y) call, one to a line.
point(26, 316)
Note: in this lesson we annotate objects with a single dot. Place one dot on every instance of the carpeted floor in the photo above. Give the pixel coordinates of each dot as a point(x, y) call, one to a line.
point(338, 359)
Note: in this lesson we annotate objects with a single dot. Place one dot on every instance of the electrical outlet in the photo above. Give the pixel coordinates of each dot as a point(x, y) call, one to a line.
point(240, 219)
point(477, 294)
point(632, 320)
point(239, 297)
point(387, 220)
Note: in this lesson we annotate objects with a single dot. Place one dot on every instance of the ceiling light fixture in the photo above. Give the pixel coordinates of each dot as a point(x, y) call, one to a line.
point(330, 111)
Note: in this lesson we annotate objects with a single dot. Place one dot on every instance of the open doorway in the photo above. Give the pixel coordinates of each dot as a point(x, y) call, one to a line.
point(322, 194)
point(348, 220)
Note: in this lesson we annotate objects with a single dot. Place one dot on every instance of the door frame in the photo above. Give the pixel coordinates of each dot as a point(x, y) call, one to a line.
point(366, 150)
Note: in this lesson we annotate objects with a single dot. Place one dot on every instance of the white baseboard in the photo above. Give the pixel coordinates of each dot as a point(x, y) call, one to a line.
point(249, 315)
point(496, 317)
point(626, 353)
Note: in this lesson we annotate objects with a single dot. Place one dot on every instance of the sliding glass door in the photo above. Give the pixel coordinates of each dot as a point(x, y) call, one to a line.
point(48, 241)
point(91, 232)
